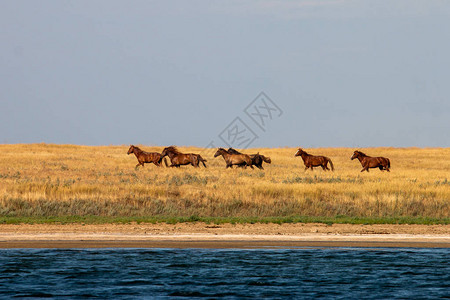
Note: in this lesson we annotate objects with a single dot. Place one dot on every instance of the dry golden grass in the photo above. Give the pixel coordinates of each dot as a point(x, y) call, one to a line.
point(57, 180)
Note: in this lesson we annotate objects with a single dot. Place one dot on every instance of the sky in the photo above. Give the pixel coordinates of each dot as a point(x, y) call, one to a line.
point(258, 73)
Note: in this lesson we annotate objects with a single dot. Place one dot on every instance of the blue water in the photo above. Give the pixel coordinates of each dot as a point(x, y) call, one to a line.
point(337, 273)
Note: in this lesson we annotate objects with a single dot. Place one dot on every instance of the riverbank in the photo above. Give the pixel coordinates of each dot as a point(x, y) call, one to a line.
point(202, 235)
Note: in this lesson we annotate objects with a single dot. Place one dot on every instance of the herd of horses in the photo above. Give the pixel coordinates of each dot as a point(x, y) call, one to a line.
point(233, 157)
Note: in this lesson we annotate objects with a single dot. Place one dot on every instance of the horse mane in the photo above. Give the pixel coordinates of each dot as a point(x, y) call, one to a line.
point(173, 149)
point(360, 153)
point(301, 149)
point(233, 151)
point(137, 148)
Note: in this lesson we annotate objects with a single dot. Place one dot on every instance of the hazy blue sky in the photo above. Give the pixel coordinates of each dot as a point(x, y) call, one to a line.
point(343, 73)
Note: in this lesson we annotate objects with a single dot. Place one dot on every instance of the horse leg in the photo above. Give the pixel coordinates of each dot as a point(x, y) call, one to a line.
point(140, 163)
point(306, 168)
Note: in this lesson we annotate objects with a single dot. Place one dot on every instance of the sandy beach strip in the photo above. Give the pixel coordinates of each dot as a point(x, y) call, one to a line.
point(239, 236)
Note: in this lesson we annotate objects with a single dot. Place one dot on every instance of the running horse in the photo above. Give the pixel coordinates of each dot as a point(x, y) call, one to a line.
point(367, 162)
point(234, 159)
point(312, 161)
point(146, 157)
point(257, 159)
point(180, 159)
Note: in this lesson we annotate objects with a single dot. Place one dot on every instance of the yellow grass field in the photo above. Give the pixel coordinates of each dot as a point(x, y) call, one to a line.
point(41, 180)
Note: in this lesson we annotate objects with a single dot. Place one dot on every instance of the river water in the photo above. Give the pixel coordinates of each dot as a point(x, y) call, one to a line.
point(325, 273)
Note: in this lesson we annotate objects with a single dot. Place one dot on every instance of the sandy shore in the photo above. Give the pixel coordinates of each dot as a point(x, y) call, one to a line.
point(201, 235)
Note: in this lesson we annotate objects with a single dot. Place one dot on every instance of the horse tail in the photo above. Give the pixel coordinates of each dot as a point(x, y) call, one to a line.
point(388, 163)
point(165, 161)
point(331, 164)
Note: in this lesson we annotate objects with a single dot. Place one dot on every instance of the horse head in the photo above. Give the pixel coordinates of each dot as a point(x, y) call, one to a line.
point(299, 152)
point(357, 154)
point(131, 150)
point(220, 151)
point(170, 149)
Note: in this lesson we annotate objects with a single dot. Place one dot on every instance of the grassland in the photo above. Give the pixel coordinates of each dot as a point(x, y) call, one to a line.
point(82, 183)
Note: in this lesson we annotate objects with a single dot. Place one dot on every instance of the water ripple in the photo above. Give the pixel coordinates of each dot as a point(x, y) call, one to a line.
point(338, 273)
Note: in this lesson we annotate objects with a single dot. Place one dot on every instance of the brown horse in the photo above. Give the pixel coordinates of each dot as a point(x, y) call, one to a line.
point(367, 162)
point(234, 159)
point(312, 161)
point(257, 159)
point(180, 159)
point(146, 157)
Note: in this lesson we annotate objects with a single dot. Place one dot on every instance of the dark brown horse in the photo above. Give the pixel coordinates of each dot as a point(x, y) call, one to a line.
point(312, 161)
point(146, 157)
point(234, 159)
point(180, 159)
point(367, 162)
point(257, 159)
